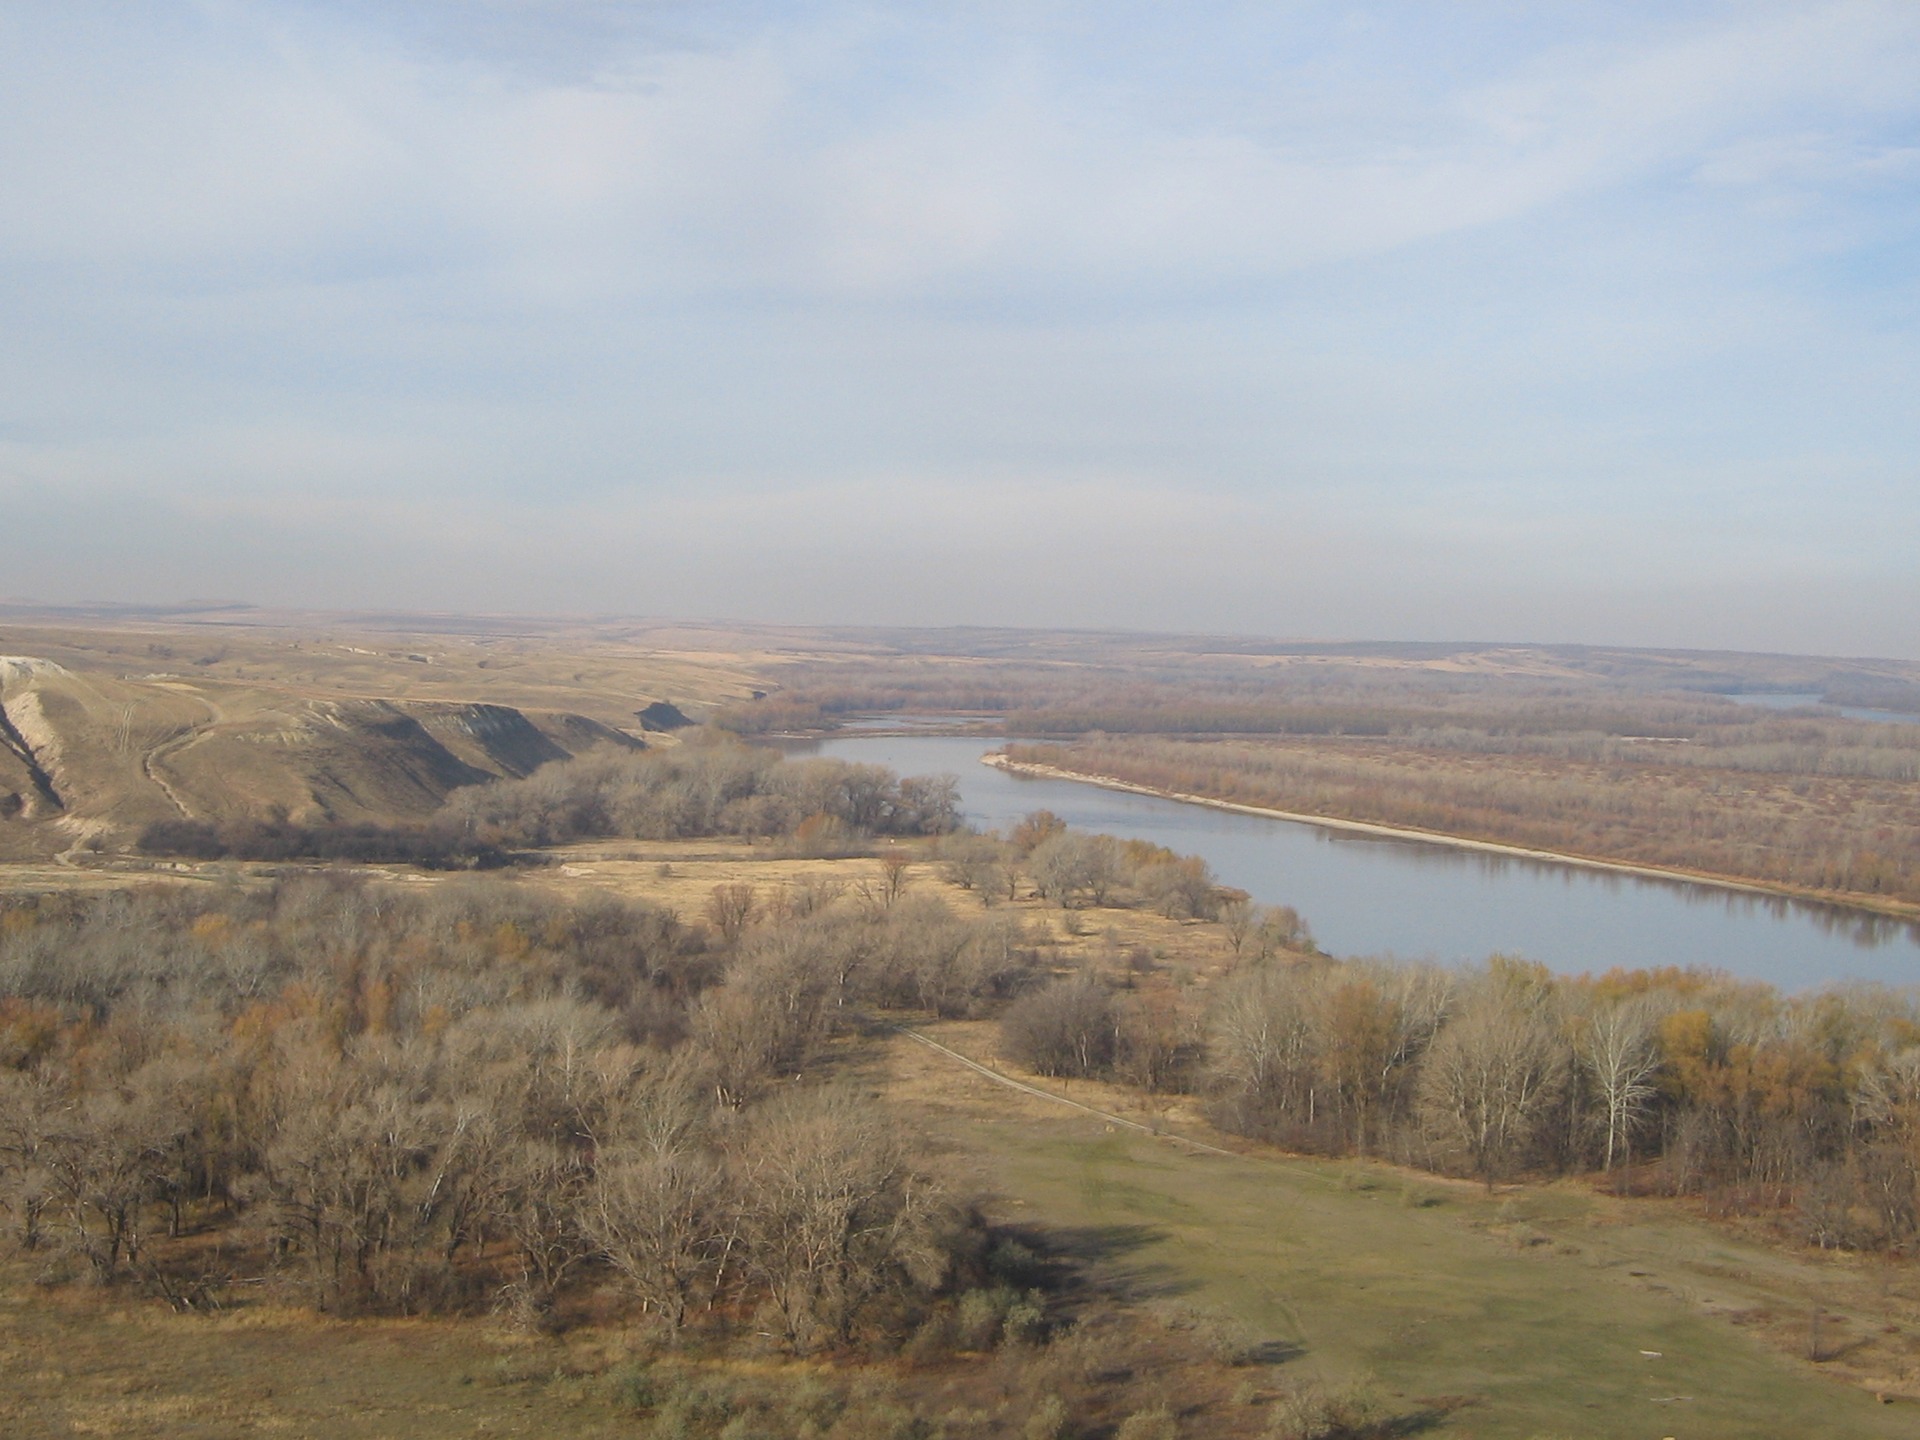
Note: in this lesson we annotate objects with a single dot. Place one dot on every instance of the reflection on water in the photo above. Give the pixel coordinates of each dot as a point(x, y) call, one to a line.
point(1861, 927)
point(1366, 894)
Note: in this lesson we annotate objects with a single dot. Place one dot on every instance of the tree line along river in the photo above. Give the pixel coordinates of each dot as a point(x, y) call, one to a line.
point(1370, 895)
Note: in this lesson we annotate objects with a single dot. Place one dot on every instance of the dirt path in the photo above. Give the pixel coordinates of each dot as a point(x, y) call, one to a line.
point(150, 762)
point(1038, 1093)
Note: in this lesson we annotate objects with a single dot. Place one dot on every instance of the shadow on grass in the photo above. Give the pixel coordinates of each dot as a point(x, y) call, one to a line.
point(1080, 1264)
point(1108, 1261)
point(1433, 1412)
point(1271, 1352)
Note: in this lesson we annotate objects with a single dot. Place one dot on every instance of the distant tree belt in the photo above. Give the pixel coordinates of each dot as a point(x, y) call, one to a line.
point(823, 707)
point(1655, 731)
point(432, 848)
point(703, 788)
point(1894, 695)
point(709, 785)
point(1829, 833)
point(1353, 719)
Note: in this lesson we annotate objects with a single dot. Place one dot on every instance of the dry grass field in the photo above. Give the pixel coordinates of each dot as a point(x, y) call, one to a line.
point(79, 1362)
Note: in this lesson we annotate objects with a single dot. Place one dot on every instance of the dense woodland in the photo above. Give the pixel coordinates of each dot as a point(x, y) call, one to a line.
point(707, 786)
point(479, 1102)
point(391, 1086)
point(1805, 1108)
point(1685, 1082)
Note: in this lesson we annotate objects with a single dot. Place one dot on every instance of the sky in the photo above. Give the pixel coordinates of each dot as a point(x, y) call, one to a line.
point(1580, 322)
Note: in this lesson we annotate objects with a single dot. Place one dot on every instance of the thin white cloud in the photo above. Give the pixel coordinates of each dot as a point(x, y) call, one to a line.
point(552, 286)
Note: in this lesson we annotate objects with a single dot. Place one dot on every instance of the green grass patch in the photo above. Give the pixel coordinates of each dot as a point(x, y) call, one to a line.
point(1433, 1295)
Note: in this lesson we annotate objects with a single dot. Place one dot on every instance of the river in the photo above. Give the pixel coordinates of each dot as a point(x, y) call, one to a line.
point(1366, 895)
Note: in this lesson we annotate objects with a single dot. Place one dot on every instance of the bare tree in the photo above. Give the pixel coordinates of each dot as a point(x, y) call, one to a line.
point(738, 1041)
point(1156, 1039)
point(731, 908)
point(1069, 868)
point(1616, 1047)
point(769, 1015)
point(1068, 1028)
point(1281, 928)
point(660, 1218)
point(1888, 1100)
point(100, 1160)
point(1035, 827)
point(1263, 1044)
point(832, 1212)
point(1239, 917)
point(896, 867)
point(544, 1209)
point(976, 863)
point(31, 1106)
point(1488, 1085)
point(1182, 888)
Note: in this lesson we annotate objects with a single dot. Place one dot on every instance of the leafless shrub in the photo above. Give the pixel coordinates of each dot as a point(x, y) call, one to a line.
point(1069, 1028)
point(833, 1214)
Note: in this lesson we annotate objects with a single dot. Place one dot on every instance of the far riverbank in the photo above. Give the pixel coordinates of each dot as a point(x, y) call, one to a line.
point(1877, 905)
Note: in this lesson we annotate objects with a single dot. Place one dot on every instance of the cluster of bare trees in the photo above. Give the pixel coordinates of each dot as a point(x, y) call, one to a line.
point(1671, 1081)
point(1078, 1026)
point(708, 785)
point(1687, 1082)
point(383, 1101)
point(1074, 869)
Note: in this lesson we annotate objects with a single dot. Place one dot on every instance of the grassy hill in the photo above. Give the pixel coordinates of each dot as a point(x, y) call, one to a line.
point(111, 725)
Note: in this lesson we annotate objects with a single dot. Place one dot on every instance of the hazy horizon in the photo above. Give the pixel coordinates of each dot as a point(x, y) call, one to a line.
point(1382, 321)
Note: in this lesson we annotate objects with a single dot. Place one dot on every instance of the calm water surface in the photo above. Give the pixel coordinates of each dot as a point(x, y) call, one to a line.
point(1368, 896)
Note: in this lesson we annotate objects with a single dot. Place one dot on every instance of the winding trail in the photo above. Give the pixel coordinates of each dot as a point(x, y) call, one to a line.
point(149, 763)
point(1039, 1094)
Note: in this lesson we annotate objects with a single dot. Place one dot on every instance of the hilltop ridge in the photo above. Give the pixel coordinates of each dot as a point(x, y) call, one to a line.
point(109, 727)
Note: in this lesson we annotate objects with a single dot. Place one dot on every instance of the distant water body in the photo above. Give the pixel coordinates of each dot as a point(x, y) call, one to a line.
point(1796, 700)
point(1366, 895)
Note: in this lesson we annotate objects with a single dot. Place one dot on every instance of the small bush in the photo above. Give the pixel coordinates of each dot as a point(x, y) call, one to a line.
point(1070, 1028)
point(934, 1339)
point(1307, 1410)
point(1155, 1424)
point(1221, 1337)
point(635, 1387)
point(980, 1315)
point(1048, 1420)
point(1026, 1322)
